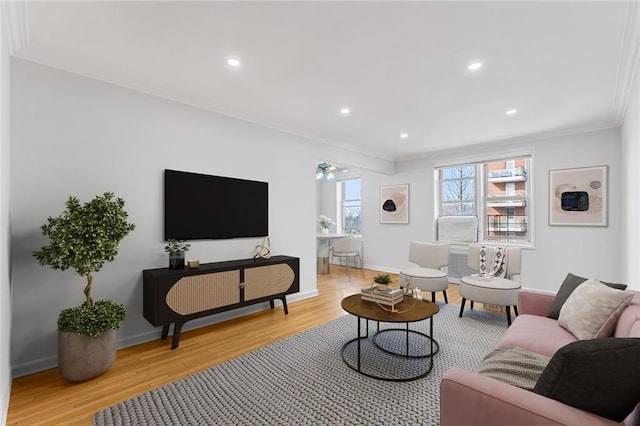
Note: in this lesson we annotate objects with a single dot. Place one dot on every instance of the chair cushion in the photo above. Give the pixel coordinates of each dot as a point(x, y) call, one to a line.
point(601, 376)
point(494, 291)
point(593, 309)
point(423, 273)
point(570, 283)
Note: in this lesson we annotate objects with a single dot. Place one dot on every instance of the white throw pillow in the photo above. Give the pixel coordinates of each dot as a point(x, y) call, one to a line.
point(593, 309)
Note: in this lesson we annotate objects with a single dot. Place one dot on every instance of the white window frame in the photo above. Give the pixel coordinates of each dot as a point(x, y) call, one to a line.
point(340, 203)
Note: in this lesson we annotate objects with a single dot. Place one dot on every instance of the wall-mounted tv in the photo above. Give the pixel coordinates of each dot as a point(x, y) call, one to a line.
point(198, 206)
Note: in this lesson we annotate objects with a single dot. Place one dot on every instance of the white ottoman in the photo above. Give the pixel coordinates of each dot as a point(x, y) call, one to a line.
point(426, 279)
point(492, 291)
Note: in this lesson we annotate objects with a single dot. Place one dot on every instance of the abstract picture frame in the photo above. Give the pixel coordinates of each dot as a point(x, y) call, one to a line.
point(579, 196)
point(394, 204)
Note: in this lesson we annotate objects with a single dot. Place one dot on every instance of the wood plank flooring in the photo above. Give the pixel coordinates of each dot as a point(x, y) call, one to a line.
point(45, 398)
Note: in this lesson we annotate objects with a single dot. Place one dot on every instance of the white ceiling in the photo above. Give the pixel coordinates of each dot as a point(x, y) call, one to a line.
point(399, 66)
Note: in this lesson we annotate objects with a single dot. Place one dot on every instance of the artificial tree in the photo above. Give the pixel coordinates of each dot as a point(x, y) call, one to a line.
point(83, 238)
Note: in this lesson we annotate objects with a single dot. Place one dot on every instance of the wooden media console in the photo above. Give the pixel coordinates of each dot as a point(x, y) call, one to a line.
point(177, 296)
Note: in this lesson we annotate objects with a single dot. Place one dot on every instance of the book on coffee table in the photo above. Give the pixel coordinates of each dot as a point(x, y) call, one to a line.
point(389, 297)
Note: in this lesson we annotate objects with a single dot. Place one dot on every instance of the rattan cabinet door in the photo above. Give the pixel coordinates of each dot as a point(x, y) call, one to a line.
point(264, 281)
point(199, 293)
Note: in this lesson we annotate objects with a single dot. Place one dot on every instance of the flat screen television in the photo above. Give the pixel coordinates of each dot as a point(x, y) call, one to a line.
point(198, 206)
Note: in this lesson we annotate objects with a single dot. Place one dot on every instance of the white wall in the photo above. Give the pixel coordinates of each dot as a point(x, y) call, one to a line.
point(76, 136)
point(631, 187)
point(327, 201)
point(587, 251)
point(73, 135)
point(5, 226)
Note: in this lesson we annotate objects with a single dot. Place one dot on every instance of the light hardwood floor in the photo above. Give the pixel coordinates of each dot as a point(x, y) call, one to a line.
point(45, 398)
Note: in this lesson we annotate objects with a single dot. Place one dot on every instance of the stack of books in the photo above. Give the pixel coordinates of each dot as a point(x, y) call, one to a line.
point(390, 297)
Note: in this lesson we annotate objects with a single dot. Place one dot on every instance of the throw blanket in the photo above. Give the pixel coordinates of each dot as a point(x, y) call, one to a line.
point(493, 261)
point(515, 366)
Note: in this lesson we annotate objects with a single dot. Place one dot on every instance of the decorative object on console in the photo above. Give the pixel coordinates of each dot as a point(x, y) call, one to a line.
point(84, 237)
point(325, 223)
point(176, 250)
point(192, 264)
point(578, 197)
point(263, 251)
point(394, 204)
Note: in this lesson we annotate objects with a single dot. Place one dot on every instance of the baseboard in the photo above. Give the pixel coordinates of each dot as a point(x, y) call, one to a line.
point(4, 409)
point(381, 268)
point(52, 361)
point(34, 366)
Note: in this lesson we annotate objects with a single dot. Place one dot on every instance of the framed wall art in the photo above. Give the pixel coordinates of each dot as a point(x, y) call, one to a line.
point(578, 197)
point(394, 204)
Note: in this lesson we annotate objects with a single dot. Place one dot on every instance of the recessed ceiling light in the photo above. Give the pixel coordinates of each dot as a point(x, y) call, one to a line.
point(404, 135)
point(474, 66)
point(511, 112)
point(233, 62)
point(345, 110)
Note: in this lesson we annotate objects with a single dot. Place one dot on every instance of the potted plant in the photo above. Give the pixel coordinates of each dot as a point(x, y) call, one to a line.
point(83, 238)
point(176, 250)
point(383, 281)
point(325, 223)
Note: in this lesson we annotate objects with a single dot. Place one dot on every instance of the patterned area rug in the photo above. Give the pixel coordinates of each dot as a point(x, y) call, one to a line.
point(303, 380)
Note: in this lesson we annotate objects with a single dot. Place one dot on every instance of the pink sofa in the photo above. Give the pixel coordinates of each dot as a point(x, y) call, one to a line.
point(468, 398)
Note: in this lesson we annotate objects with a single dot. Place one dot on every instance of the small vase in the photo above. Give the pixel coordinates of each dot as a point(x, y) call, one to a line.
point(325, 230)
point(176, 260)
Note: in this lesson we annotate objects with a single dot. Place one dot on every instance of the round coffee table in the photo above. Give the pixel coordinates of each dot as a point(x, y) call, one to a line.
point(410, 311)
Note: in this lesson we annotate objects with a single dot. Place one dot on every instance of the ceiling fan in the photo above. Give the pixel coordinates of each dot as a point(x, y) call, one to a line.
point(327, 171)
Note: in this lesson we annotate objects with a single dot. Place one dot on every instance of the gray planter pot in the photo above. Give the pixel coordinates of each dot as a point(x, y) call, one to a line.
point(82, 358)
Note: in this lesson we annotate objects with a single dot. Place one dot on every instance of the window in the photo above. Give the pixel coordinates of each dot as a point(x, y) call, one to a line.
point(458, 191)
point(349, 206)
point(497, 192)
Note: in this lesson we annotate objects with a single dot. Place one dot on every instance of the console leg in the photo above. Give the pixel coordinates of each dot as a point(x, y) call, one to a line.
point(177, 329)
point(165, 331)
point(271, 303)
point(284, 305)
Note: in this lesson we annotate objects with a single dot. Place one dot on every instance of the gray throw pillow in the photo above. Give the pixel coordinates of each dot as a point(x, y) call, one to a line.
point(601, 376)
point(570, 283)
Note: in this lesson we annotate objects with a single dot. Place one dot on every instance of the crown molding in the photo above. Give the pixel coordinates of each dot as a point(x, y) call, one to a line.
point(14, 15)
point(629, 61)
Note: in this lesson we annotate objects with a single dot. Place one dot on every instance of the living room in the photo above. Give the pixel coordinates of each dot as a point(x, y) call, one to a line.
point(68, 132)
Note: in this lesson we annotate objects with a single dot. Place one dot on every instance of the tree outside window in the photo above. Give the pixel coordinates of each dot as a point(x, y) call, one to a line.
point(458, 191)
